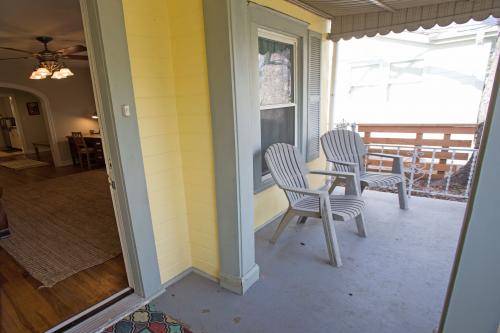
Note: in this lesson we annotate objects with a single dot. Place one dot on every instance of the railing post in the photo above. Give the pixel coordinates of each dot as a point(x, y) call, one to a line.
point(431, 168)
point(413, 167)
point(367, 137)
point(446, 144)
point(450, 172)
point(381, 160)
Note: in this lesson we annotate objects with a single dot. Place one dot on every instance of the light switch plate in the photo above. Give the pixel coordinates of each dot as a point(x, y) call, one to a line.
point(126, 110)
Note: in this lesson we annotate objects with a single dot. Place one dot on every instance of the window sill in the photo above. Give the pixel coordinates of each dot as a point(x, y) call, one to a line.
point(264, 185)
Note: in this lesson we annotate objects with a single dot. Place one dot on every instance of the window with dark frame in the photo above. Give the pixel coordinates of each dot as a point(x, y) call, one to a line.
point(277, 91)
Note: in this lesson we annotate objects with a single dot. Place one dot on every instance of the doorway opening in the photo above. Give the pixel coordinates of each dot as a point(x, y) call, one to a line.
point(60, 247)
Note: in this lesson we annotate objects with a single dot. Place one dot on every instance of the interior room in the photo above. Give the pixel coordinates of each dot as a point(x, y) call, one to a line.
point(60, 252)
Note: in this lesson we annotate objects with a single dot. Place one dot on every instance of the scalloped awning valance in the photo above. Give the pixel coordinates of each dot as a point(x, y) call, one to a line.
point(359, 18)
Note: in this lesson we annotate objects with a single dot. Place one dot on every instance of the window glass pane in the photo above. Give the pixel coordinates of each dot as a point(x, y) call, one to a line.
point(275, 72)
point(276, 125)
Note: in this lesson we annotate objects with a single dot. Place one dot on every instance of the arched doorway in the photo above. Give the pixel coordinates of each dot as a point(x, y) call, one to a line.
point(47, 116)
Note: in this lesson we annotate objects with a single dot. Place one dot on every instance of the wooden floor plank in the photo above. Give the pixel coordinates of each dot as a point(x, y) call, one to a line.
point(24, 306)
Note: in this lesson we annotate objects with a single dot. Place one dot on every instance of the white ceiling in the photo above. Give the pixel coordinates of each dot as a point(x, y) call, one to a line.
point(23, 20)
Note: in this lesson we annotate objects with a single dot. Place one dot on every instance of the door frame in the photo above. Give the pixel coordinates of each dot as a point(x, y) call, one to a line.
point(109, 62)
point(17, 117)
point(15, 114)
point(464, 294)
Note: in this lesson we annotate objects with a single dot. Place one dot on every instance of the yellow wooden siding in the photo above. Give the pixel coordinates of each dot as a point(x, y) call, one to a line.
point(169, 71)
point(148, 37)
point(195, 128)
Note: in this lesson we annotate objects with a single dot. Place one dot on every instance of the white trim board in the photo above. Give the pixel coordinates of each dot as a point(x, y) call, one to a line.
point(112, 314)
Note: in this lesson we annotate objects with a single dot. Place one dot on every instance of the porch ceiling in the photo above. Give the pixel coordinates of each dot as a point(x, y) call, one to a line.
point(359, 18)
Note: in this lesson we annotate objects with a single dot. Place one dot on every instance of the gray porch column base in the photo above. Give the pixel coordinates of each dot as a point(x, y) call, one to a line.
point(240, 285)
point(228, 50)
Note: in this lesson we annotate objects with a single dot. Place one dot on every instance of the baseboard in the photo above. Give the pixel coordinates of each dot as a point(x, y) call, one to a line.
point(205, 275)
point(177, 278)
point(239, 285)
point(275, 218)
point(185, 273)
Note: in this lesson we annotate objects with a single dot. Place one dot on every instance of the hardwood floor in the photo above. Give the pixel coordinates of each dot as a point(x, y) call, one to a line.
point(26, 308)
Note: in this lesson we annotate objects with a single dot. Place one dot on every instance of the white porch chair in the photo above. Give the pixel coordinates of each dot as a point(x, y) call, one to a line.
point(347, 152)
point(289, 171)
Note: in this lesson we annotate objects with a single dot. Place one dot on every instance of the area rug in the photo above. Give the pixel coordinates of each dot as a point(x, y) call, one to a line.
point(61, 226)
point(10, 153)
point(147, 320)
point(23, 164)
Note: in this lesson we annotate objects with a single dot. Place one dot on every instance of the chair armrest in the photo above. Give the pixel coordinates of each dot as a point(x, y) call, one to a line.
point(352, 180)
point(333, 173)
point(305, 191)
point(397, 166)
point(343, 163)
point(386, 155)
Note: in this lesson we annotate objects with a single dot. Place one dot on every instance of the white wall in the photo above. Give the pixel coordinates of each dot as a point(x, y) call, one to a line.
point(475, 299)
point(449, 91)
point(71, 100)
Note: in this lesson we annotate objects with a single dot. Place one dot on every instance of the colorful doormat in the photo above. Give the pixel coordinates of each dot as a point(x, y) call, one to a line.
point(147, 320)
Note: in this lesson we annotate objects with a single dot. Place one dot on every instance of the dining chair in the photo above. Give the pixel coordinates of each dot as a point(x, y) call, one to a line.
point(346, 151)
point(289, 171)
point(83, 150)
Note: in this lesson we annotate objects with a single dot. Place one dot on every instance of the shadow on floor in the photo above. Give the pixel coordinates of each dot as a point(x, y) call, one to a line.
point(393, 281)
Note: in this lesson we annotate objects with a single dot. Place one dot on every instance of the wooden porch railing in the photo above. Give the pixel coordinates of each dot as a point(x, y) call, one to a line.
point(402, 138)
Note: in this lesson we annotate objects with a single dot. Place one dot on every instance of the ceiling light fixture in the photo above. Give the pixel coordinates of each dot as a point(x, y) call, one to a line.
point(50, 63)
point(52, 68)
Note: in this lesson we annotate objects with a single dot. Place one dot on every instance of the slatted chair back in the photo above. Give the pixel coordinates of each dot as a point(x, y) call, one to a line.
point(288, 169)
point(79, 140)
point(344, 145)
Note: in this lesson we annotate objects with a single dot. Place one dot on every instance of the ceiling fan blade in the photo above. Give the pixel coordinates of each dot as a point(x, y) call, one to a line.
point(72, 49)
point(15, 58)
point(76, 57)
point(17, 50)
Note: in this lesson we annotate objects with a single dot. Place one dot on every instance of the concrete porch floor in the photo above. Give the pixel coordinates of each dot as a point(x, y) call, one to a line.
point(393, 281)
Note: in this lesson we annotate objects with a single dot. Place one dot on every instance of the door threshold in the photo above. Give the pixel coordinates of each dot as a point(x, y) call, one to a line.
point(105, 314)
point(74, 321)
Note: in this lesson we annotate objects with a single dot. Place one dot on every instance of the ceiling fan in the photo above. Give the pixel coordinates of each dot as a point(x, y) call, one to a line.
point(50, 62)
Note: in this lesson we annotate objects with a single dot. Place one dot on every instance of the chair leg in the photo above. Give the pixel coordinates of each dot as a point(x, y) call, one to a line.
point(335, 183)
point(89, 162)
point(331, 241)
point(302, 220)
point(403, 197)
point(80, 160)
point(360, 223)
point(284, 222)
